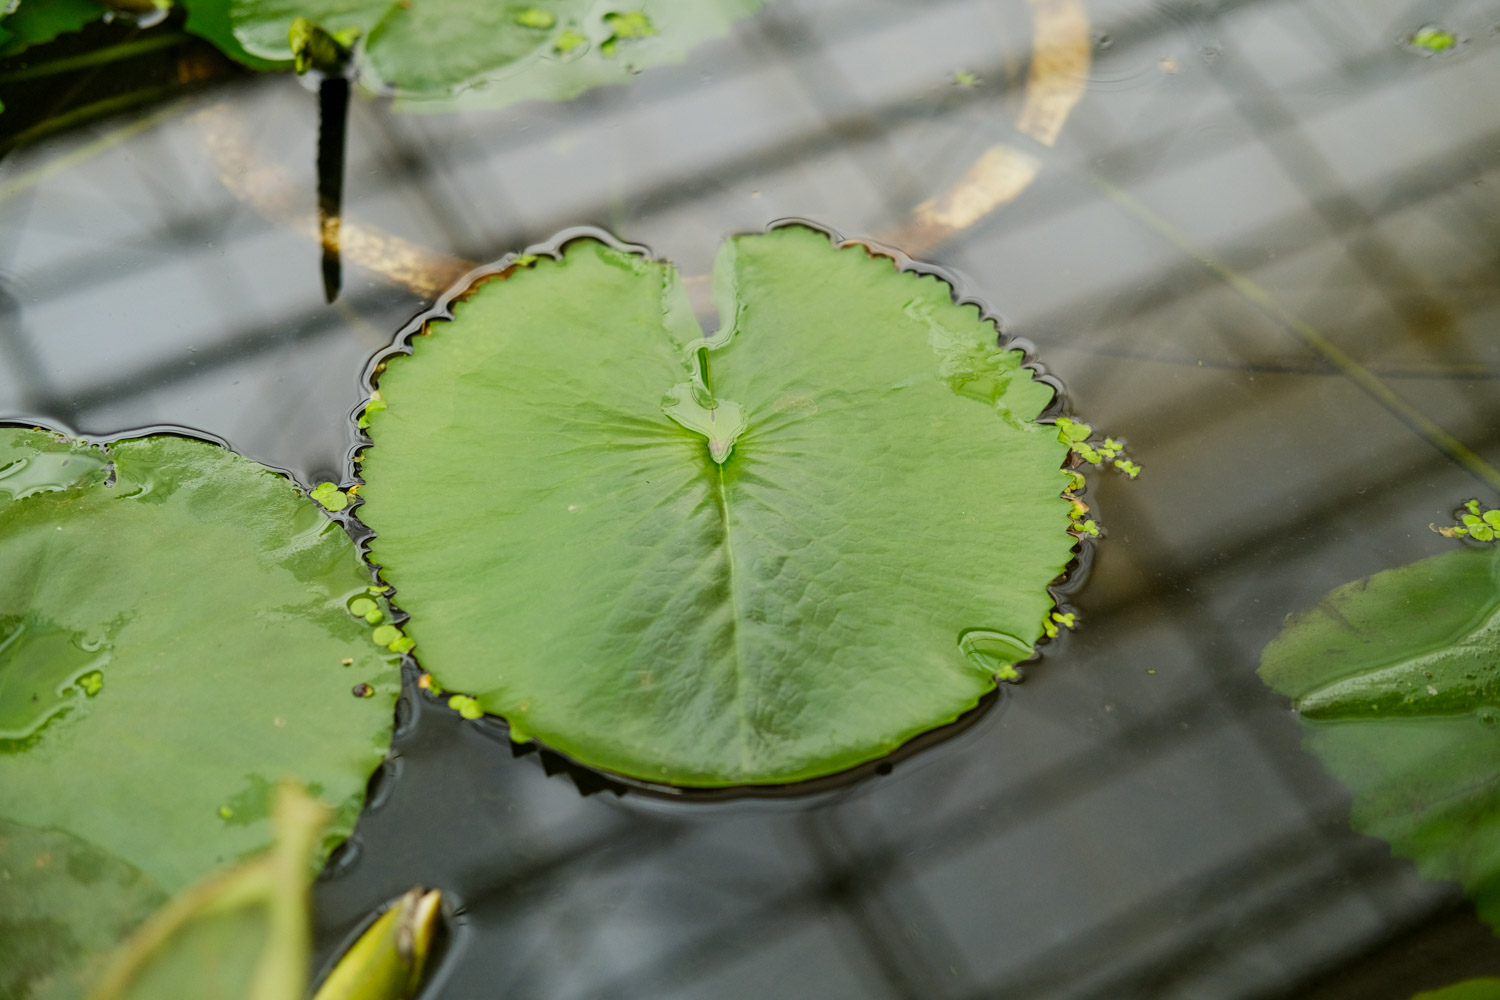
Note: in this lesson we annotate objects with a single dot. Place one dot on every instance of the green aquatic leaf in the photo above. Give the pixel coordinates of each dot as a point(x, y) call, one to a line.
point(329, 496)
point(36, 21)
point(624, 27)
point(630, 24)
point(241, 935)
point(585, 551)
point(1433, 39)
point(466, 706)
point(535, 17)
point(172, 643)
point(1072, 431)
point(1397, 680)
point(479, 53)
point(1476, 523)
point(1076, 434)
point(374, 406)
point(212, 21)
point(567, 43)
point(1469, 989)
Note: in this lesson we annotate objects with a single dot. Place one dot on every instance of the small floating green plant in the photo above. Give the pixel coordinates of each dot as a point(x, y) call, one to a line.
point(1076, 435)
point(329, 497)
point(1433, 39)
point(1476, 521)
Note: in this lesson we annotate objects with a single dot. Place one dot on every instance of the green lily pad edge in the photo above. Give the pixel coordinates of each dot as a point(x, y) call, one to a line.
point(1054, 614)
point(1393, 679)
point(176, 636)
point(438, 56)
point(1470, 989)
point(469, 54)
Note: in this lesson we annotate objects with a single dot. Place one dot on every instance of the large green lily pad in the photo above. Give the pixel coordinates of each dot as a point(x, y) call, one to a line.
point(1397, 679)
point(756, 557)
point(173, 626)
point(479, 52)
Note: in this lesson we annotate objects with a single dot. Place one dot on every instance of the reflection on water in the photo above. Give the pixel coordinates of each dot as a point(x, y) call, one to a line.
point(1260, 245)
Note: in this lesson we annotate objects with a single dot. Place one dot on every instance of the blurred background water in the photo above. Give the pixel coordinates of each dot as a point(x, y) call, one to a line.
point(1257, 239)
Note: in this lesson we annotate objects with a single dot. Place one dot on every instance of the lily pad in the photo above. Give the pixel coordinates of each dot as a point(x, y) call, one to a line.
point(757, 556)
point(481, 52)
point(1397, 679)
point(33, 22)
point(173, 629)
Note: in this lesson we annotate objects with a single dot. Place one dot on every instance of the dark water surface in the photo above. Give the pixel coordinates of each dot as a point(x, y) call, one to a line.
point(1262, 248)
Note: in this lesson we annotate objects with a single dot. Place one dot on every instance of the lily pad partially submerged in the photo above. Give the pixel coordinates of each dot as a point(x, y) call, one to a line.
point(173, 633)
point(1397, 679)
point(478, 52)
point(757, 556)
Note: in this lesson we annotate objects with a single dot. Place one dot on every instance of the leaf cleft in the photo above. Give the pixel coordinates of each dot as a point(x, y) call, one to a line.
point(721, 422)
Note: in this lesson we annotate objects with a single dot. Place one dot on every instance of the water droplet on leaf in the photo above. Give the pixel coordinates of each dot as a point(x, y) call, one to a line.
point(995, 652)
point(47, 670)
